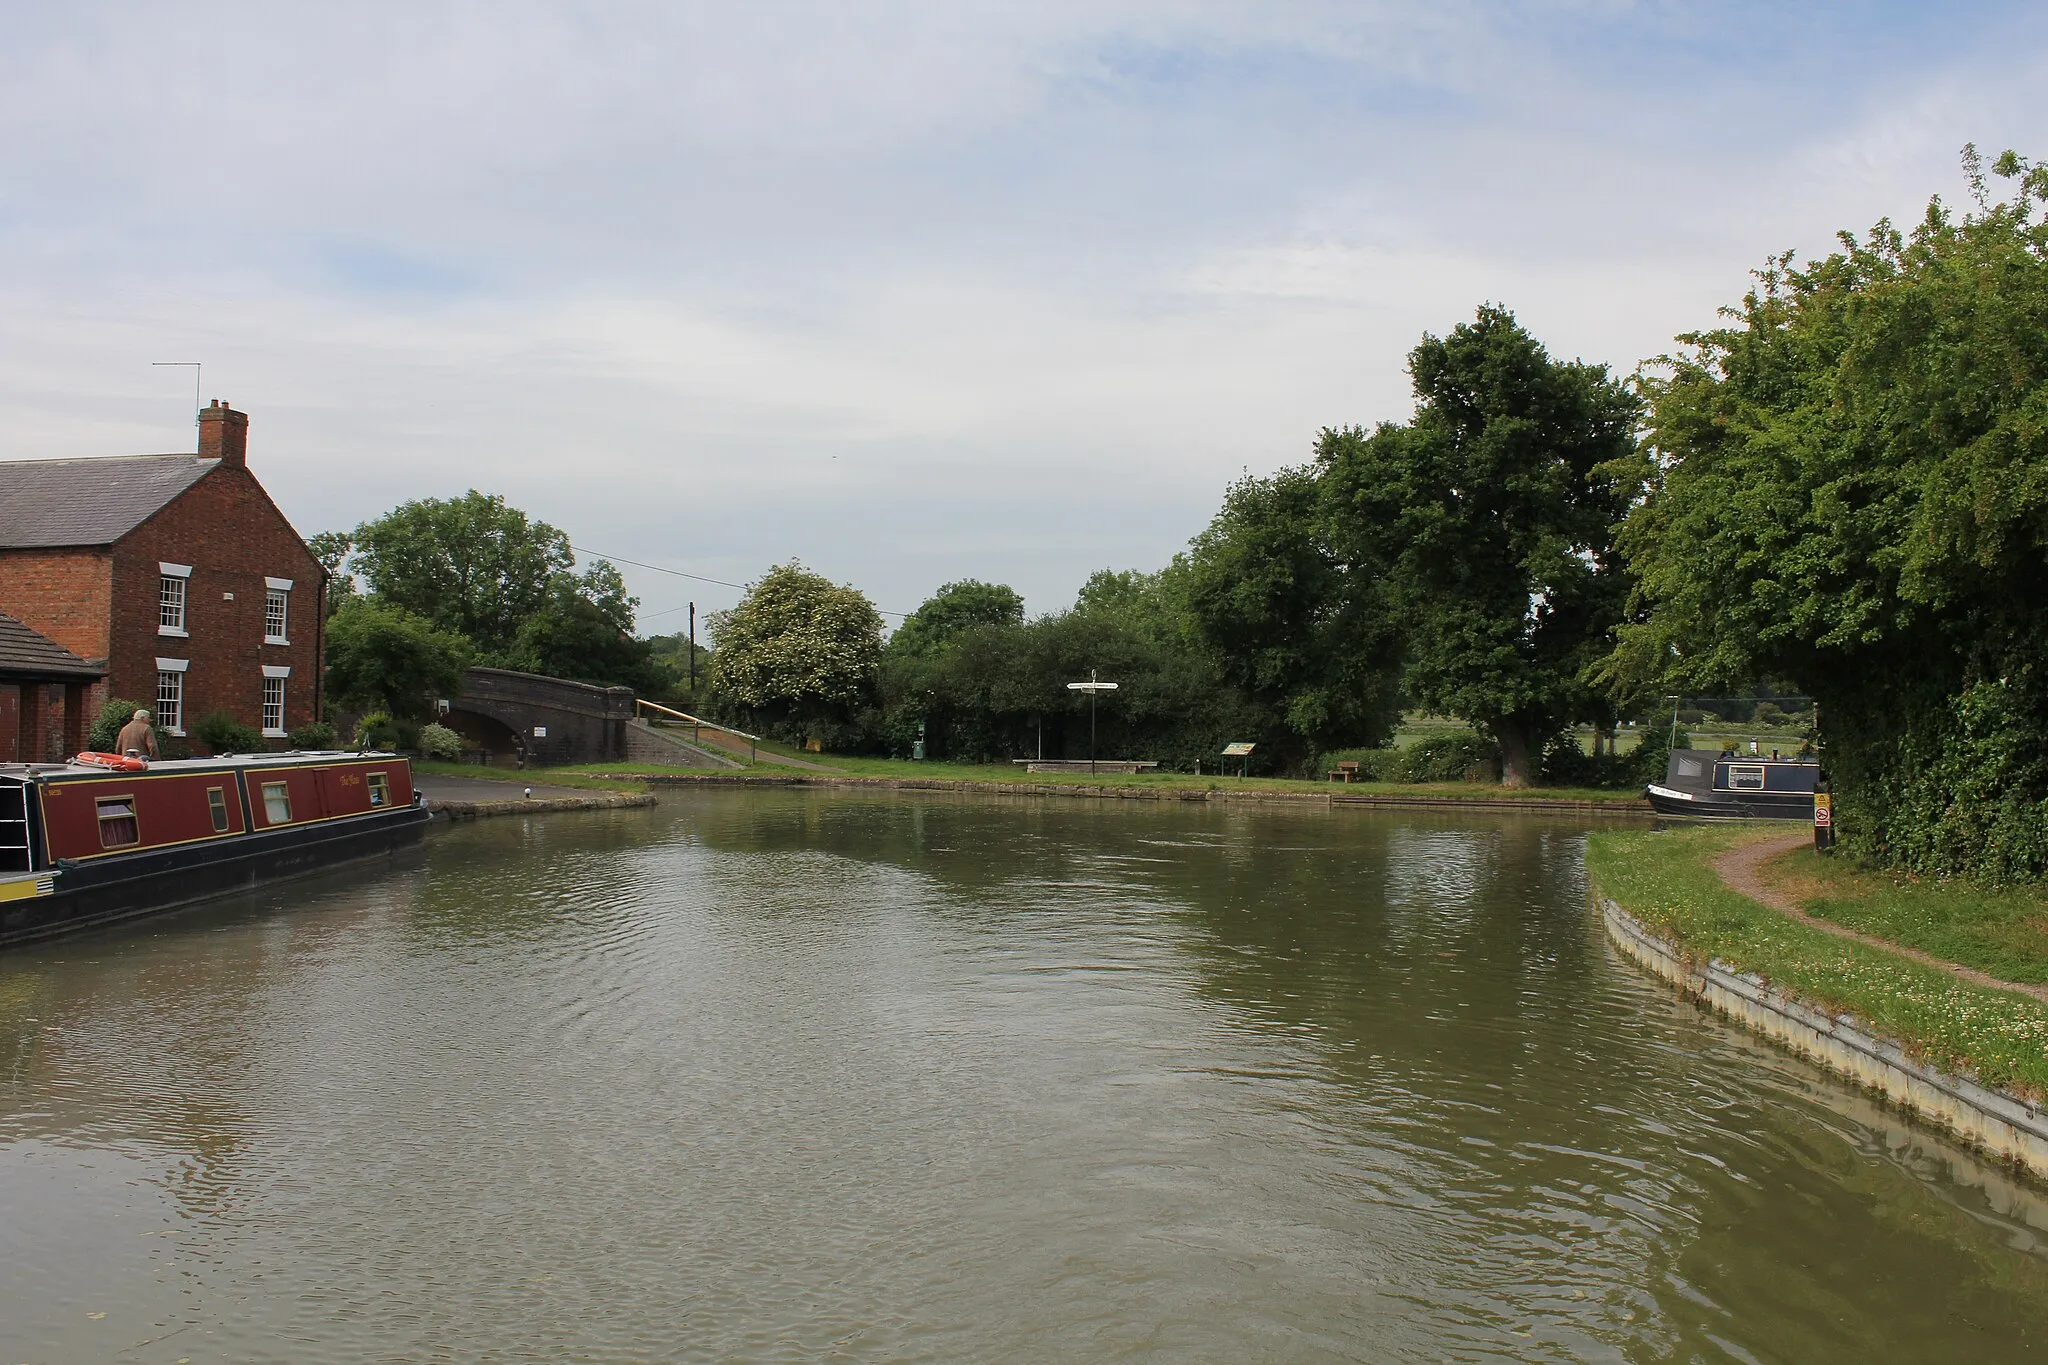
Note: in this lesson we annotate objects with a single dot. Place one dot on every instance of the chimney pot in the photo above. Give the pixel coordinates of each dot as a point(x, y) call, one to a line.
point(224, 435)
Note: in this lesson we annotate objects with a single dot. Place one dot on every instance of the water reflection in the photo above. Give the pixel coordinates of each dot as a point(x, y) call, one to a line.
point(780, 1074)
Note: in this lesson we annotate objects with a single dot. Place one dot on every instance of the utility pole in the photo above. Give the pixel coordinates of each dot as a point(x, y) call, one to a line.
point(693, 655)
point(1091, 687)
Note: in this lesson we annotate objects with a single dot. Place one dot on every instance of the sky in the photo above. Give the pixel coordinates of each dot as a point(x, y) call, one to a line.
point(912, 293)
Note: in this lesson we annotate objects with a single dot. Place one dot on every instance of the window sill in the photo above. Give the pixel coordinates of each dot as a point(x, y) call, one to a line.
point(273, 734)
point(174, 732)
point(174, 632)
point(275, 640)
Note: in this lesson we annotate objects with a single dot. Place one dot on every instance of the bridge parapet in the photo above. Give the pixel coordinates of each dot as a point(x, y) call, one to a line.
point(552, 720)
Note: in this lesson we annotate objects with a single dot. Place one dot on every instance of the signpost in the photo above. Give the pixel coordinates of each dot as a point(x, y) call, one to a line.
point(1091, 687)
point(1241, 750)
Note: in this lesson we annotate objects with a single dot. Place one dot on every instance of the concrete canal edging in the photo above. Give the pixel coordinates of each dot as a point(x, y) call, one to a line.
point(483, 810)
point(1990, 1120)
point(1337, 796)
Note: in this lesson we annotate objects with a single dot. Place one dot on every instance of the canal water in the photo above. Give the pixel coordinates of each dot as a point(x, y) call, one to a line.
point(791, 1076)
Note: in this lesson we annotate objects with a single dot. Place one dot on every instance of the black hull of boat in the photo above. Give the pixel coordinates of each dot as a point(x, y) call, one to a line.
point(1730, 806)
point(99, 893)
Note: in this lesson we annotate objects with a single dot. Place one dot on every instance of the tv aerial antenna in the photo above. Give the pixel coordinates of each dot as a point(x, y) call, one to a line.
point(196, 366)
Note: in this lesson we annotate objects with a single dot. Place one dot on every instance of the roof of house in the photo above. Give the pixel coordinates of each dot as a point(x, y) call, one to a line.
point(28, 656)
point(93, 501)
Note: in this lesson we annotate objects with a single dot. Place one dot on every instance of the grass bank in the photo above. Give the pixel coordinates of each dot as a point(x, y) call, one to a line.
point(577, 778)
point(1666, 880)
point(2000, 931)
point(889, 769)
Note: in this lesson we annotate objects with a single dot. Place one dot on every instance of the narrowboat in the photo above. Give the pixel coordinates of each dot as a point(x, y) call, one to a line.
point(1729, 786)
point(104, 838)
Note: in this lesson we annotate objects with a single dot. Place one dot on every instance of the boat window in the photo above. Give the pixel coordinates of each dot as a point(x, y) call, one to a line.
point(217, 802)
point(117, 822)
point(1746, 777)
point(380, 790)
point(1687, 766)
point(277, 804)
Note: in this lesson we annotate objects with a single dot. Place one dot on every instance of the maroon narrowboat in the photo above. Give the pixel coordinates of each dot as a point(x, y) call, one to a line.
point(82, 845)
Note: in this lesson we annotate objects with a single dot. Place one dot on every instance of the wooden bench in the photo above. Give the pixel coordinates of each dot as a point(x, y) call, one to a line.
point(1346, 771)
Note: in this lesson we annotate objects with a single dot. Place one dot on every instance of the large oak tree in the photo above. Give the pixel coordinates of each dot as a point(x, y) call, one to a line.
point(1490, 518)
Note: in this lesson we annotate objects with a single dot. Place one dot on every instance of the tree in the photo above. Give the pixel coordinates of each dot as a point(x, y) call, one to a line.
point(954, 608)
point(483, 569)
point(471, 564)
point(1491, 516)
point(381, 655)
point(332, 549)
point(1307, 637)
point(1850, 492)
point(798, 648)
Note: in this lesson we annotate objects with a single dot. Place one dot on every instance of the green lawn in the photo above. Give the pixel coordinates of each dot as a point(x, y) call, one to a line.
point(1665, 878)
point(553, 777)
point(2003, 932)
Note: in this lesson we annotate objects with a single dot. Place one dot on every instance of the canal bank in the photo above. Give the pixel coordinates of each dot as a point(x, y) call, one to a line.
point(468, 798)
point(1189, 790)
point(1967, 1056)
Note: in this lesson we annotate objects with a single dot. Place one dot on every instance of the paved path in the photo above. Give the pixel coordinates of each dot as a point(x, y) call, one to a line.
point(1741, 870)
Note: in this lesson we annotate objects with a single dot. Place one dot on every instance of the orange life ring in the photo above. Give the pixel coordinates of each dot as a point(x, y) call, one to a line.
point(120, 763)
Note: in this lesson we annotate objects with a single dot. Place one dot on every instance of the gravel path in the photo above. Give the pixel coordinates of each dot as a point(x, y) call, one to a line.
point(1741, 870)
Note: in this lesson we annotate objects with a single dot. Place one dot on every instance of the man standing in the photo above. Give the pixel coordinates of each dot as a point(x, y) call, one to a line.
point(137, 739)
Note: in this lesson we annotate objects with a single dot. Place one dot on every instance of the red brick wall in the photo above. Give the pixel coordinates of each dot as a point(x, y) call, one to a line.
point(233, 536)
point(62, 593)
point(65, 595)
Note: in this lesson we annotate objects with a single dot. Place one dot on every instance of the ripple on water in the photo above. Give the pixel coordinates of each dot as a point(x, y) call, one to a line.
point(775, 1076)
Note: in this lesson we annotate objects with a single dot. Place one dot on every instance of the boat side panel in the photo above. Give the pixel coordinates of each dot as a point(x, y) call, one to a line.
point(170, 809)
point(329, 791)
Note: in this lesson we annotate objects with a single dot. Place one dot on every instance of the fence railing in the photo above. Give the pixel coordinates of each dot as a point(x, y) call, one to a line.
point(697, 725)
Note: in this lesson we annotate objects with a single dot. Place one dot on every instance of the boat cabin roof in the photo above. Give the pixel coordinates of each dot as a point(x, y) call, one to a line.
point(290, 758)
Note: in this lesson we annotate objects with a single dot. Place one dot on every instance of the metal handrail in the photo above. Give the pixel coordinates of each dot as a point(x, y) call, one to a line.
point(694, 720)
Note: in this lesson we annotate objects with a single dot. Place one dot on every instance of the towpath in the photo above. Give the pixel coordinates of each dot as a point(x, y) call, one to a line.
point(1741, 870)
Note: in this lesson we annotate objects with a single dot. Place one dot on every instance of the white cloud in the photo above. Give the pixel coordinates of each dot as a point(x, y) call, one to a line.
point(917, 293)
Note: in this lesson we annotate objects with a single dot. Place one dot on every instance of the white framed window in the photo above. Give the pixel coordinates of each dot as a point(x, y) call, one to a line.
point(117, 822)
point(172, 581)
point(170, 695)
point(277, 803)
point(274, 676)
point(277, 598)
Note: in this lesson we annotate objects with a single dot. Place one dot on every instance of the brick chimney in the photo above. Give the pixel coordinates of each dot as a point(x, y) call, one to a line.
point(224, 434)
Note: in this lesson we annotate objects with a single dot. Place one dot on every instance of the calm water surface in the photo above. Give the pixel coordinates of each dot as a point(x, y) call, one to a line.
point(783, 1076)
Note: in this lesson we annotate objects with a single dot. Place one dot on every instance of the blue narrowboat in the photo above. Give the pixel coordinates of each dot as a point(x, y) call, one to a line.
point(1728, 786)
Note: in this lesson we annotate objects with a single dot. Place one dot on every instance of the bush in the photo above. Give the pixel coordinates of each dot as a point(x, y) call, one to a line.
point(1447, 757)
point(1565, 764)
point(375, 731)
point(223, 734)
point(318, 735)
point(438, 741)
point(106, 727)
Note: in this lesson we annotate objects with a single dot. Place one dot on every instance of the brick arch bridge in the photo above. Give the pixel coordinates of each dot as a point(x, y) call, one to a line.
point(529, 719)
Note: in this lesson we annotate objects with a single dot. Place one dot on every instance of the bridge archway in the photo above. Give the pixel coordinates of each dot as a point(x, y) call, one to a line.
point(550, 721)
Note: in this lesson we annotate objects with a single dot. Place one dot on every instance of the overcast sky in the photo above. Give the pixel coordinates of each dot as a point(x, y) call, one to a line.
point(910, 292)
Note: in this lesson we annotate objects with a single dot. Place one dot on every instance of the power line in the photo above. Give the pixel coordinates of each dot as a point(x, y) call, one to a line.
point(694, 577)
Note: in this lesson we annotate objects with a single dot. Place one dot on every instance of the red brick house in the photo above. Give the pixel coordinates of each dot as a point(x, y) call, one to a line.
point(176, 573)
